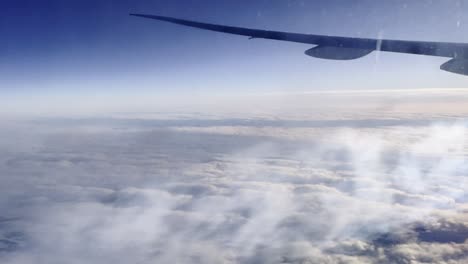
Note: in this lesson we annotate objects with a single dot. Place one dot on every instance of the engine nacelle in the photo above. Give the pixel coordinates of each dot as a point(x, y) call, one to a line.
point(337, 53)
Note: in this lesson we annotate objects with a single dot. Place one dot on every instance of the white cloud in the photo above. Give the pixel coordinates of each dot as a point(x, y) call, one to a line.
point(145, 191)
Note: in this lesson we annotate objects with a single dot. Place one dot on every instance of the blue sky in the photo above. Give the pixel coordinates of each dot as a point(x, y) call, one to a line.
point(94, 47)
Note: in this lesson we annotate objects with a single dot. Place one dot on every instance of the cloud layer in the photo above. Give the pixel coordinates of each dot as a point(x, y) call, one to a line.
point(233, 190)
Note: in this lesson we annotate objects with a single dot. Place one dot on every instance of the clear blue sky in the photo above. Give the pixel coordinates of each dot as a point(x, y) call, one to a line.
point(86, 47)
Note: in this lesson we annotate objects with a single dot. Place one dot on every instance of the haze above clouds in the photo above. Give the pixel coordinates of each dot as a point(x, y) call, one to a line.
point(315, 178)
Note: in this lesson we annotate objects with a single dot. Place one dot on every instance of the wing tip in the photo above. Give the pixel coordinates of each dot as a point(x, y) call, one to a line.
point(143, 15)
point(135, 14)
point(151, 16)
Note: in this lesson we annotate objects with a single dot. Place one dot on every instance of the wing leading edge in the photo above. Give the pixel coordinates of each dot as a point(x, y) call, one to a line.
point(343, 48)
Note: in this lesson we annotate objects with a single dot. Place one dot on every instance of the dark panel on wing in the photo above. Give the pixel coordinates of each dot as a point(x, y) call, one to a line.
point(337, 53)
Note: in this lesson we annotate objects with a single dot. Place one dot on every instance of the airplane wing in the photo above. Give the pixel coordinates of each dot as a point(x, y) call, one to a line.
point(344, 48)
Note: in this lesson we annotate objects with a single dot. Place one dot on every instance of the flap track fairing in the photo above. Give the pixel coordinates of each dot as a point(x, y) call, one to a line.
point(337, 53)
point(459, 66)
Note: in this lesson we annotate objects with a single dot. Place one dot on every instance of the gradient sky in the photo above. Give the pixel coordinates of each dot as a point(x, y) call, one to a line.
point(93, 47)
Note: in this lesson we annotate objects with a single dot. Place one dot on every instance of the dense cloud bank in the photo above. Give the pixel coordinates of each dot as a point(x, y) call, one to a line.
point(230, 191)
